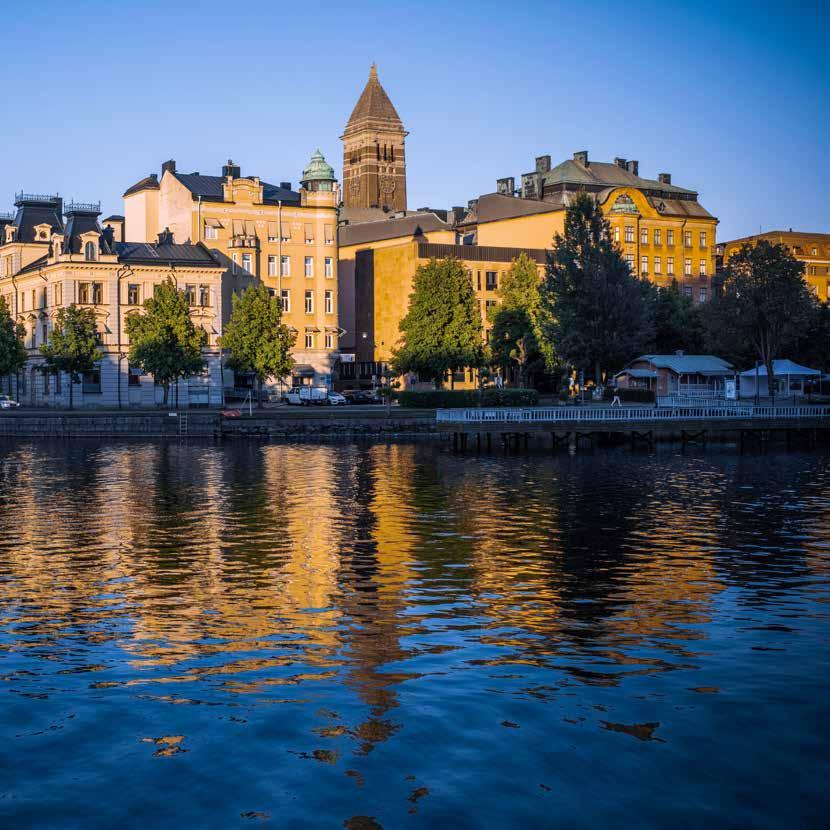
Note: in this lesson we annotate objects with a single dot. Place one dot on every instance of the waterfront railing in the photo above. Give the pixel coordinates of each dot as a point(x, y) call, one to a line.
point(618, 414)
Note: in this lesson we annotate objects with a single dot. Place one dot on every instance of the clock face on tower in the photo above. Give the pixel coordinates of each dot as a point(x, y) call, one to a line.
point(354, 185)
point(387, 184)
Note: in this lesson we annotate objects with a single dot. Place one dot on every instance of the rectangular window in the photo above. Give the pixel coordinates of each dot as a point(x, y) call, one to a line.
point(687, 268)
point(285, 231)
point(92, 382)
point(272, 266)
point(687, 239)
point(204, 296)
point(58, 293)
point(247, 266)
point(703, 239)
point(616, 233)
point(309, 302)
point(285, 266)
point(133, 294)
point(702, 268)
point(329, 302)
point(687, 290)
point(272, 232)
point(285, 296)
point(329, 234)
point(234, 262)
point(702, 295)
point(670, 266)
point(190, 294)
point(329, 266)
point(644, 236)
point(44, 333)
point(308, 266)
point(97, 293)
point(210, 232)
point(629, 233)
point(491, 280)
point(308, 234)
point(670, 238)
point(658, 265)
point(134, 377)
point(329, 340)
point(83, 294)
point(309, 340)
point(629, 258)
point(644, 265)
point(658, 237)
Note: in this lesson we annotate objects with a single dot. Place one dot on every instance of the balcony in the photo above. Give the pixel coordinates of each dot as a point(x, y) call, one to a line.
point(243, 242)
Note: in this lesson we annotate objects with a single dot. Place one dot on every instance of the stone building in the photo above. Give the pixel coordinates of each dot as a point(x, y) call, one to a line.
point(813, 249)
point(284, 238)
point(53, 255)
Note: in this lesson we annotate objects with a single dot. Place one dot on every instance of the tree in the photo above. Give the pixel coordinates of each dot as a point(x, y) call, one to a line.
point(441, 331)
point(516, 335)
point(164, 341)
point(596, 314)
point(13, 353)
point(258, 341)
point(813, 348)
point(73, 345)
point(764, 304)
point(678, 322)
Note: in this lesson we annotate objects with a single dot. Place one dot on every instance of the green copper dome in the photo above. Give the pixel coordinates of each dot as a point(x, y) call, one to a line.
point(318, 170)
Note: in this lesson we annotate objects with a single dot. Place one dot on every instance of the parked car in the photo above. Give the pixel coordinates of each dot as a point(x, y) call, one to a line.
point(307, 395)
point(358, 397)
point(336, 399)
point(8, 403)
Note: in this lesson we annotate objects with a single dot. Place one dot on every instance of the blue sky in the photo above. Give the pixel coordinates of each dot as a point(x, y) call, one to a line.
point(732, 98)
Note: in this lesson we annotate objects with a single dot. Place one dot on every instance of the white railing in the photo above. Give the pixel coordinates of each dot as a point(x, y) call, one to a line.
point(609, 414)
point(684, 400)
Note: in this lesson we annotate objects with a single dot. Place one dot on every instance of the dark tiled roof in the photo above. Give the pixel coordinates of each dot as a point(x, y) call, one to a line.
point(411, 225)
point(34, 266)
point(31, 214)
point(116, 217)
point(80, 223)
point(494, 206)
point(604, 174)
point(374, 106)
point(149, 252)
point(210, 188)
point(150, 182)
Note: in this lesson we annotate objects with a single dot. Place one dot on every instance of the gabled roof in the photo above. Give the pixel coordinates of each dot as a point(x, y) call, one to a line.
point(151, 253)
point(605, 174)
point(414, 224)
point(685, 364)
point(373, 106)
point(782, 367)
point(210, 188)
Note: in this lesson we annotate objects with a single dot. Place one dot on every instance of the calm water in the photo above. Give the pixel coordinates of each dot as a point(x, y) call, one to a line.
point(310, 636)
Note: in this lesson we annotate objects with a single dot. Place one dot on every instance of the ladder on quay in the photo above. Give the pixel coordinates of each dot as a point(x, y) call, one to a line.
point(183, 425)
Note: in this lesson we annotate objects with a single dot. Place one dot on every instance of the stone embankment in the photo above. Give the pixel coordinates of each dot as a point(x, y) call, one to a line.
point(283, 423)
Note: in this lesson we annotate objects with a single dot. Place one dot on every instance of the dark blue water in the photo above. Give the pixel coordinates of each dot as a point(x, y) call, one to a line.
point(391, 636)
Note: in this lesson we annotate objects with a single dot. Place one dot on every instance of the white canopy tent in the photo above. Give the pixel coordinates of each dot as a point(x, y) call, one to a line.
point(789, 380)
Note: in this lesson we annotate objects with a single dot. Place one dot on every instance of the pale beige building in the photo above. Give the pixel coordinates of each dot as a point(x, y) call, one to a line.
point(284, 238)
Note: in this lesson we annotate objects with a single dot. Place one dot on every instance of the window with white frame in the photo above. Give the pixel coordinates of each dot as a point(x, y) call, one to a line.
point(658, 237)
point(285, 296)
point(247, 264)
point(629, 258)
point(309, 340)
point(329, 340)
point(211, 232)
point(687, 239)
point(629, 233)
point(285, 266)
point(644, 265)
point(644, 236)
point(616, 233)
point(308, 266)
point(687, 267)
point(328, 265)
point(702, 294)
point(670, 266)
point(658, 265)
point(272, 266)
point(670, 238)
point(702, 268)
point(309, 302)
point(703, 239)
point(329, 301)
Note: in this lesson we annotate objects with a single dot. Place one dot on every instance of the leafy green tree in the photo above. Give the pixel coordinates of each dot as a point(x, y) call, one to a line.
point(678, 321)
point(441, 331)
point(12, 351)
point(597, 315)
point(258, 341)
point(813, 348)
point(164, 341)
point(72, 346)
point(764, 305)
point(516, 337)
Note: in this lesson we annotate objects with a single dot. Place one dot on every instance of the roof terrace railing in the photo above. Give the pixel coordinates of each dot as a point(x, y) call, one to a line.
point(7, 215)
point(35, 197)
point(82, 207)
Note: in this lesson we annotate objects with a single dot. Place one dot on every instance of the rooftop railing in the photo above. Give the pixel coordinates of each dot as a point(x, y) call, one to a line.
point(82, 207)
point(35, 197)
point(7, 215)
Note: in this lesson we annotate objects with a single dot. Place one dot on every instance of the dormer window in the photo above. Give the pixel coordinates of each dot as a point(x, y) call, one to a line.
point(11, 232)
point(90, 252)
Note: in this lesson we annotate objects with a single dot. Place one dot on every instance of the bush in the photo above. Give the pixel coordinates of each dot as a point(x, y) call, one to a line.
point(467, 398)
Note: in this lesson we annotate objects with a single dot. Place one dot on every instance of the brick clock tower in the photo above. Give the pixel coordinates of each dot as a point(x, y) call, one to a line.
point(374, 164)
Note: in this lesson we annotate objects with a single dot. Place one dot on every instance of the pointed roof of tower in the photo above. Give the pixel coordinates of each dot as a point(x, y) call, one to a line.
point(374, 106)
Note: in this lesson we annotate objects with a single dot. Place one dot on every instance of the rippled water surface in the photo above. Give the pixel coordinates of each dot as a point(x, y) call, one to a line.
point(391, 636)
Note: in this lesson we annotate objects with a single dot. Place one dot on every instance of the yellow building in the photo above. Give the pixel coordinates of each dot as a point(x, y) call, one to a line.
point(813, 249)
point(271, 233)
point(52, 256)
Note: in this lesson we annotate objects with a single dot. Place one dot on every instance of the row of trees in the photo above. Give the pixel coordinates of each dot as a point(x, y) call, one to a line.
point(591, 313)
point(164, 340)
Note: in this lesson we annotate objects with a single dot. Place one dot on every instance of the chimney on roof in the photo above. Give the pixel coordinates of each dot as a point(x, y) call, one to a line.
point(664, 178)
point(231, 169)
point(454, 215)
point(507, 186)
point(170, 165)
point(621, 163)
point(472, 204)
point(543, 164)
point(633, 167)
point(581, 158)
point(165, 237)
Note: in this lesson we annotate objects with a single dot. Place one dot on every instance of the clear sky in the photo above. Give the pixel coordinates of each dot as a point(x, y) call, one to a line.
point(731, 98)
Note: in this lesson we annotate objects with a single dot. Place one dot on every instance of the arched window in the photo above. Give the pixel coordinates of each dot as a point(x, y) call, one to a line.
point(89, 251)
